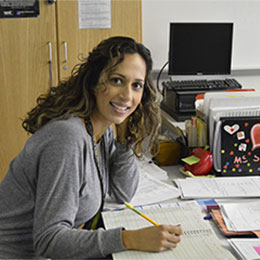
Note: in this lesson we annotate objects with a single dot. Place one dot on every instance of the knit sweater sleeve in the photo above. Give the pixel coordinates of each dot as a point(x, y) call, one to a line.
point(59, 183)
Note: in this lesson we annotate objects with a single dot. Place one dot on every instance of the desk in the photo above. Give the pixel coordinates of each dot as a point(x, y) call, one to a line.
point(173, 172)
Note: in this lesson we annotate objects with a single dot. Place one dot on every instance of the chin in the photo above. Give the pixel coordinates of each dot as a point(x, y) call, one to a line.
point(118, 121)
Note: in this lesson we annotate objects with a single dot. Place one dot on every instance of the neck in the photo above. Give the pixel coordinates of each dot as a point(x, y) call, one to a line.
point(98, 136)
point(99, 127)
point(99, 124)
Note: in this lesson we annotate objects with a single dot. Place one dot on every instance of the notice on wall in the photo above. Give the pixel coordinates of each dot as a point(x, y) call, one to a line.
point(19, 8)
point(94, 14)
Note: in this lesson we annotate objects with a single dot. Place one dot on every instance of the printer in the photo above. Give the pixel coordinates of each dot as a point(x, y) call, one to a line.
point(179, 104)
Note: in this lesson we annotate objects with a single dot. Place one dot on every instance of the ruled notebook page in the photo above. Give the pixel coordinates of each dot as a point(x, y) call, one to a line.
point(198, 240)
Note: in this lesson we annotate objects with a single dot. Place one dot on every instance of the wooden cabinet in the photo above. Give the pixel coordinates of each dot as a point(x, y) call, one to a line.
point(126, 20)
point(24, 74)
point(24, 59)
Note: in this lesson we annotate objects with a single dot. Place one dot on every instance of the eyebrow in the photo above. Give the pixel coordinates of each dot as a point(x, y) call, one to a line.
point(118, 74)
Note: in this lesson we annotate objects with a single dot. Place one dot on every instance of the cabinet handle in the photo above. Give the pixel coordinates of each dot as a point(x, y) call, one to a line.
point(50, 63)
point(65, 52)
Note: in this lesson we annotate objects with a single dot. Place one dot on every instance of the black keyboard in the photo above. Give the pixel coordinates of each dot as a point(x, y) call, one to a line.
point(203, 85)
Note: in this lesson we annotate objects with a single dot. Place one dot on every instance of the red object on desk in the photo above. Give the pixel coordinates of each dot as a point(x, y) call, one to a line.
point(201, 95)
point(240, 90)
point(204, 165)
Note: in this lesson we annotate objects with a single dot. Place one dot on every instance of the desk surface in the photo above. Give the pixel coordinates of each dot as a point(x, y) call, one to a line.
point(173, 172)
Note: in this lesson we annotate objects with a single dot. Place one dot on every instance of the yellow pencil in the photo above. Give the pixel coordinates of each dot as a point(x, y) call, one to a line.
point(141, 214)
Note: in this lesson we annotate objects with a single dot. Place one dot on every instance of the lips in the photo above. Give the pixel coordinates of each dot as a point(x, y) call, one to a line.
point(120, 106)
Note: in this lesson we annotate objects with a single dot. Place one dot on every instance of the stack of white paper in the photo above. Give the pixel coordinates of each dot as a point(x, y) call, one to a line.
point(220, 187)
point(248, 248)
point(146, 166)
point(150, 190)
point(241, 216)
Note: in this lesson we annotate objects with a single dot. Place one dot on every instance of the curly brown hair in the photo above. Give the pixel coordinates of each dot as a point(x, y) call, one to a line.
point(75, 95)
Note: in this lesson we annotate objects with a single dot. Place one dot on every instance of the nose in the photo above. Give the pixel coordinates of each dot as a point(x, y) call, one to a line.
point(126, 92)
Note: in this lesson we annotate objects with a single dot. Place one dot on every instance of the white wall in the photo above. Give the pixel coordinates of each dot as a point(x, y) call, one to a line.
point(245, 14)
point(249, 81)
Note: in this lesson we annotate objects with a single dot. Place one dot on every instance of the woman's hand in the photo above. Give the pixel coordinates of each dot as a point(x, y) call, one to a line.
point(154, 239)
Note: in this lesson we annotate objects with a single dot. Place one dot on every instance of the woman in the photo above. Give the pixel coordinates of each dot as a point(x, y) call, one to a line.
point(73, 160)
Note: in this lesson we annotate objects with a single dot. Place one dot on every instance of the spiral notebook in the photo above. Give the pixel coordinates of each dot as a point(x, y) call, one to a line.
point(198, 241)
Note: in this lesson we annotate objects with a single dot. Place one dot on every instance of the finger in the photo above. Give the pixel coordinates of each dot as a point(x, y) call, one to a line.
point(177, 230)
point(175, 239)
point(172, 242)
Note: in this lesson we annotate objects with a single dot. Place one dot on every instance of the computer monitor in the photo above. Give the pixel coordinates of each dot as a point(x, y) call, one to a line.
point(200, 48)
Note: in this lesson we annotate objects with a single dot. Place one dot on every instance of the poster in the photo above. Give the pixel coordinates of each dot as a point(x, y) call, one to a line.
point(19, 8)
point(240, 146)
point(94, 14)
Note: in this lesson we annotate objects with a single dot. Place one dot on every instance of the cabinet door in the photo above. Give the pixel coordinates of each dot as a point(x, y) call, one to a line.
point(125, 20)
point(24, 74)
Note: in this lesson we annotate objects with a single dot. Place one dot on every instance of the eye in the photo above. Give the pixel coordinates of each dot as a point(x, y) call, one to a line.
point(116, 81)
point(138, 85)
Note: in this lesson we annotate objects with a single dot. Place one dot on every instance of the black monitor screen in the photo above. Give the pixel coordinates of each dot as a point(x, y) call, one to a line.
point(200, 48)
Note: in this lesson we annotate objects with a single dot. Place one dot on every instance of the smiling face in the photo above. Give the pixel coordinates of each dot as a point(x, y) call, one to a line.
point(119, 93)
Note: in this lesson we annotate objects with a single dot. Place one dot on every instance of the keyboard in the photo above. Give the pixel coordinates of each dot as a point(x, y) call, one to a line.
point(202, 85)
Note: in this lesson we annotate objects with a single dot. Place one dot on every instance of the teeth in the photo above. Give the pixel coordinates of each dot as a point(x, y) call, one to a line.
point(119, 107)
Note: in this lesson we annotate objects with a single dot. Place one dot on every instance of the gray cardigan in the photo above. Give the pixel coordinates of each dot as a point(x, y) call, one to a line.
point(52, 188)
